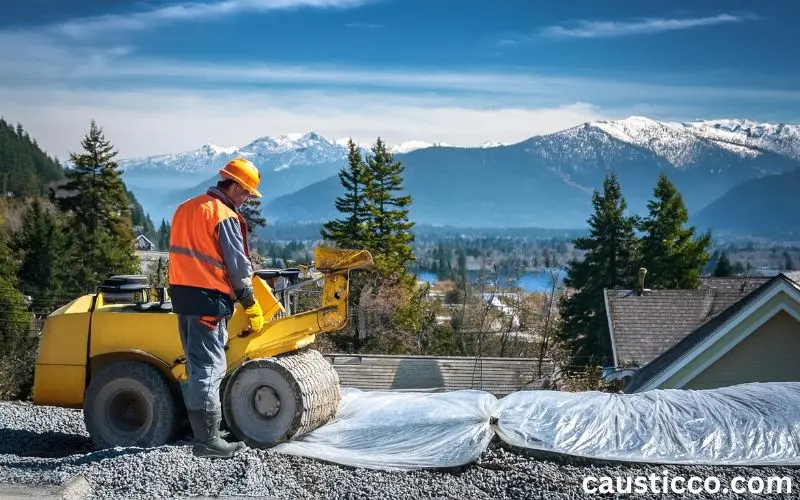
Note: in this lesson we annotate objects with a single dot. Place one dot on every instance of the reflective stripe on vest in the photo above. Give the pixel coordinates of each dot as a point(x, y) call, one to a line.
point(195, 255)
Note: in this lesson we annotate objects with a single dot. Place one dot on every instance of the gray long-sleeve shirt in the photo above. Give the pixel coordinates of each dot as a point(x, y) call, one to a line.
point(237, 264)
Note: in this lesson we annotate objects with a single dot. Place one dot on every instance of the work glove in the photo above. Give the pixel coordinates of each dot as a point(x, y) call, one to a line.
point(256, 316)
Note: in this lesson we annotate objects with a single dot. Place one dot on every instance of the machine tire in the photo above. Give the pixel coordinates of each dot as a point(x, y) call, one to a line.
point(130, 385)
point(304, 386)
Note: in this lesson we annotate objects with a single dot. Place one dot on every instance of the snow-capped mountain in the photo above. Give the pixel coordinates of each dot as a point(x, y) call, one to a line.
point(546, 180)
point(203, 159)
point(286, 162)
point(676, 143)
point(309, 148)
point(409, 146)
point(779, 138)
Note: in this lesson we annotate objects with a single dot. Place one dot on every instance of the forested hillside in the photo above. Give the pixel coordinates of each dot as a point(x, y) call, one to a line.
point(25, 169)
point(63, 232)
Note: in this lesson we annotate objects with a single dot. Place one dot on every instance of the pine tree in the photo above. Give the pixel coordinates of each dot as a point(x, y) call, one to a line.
point(610, 253)
point(162, 241)
point(723, 267)
point(670, 253)
point(251, 211)
point(15, 321)
point(40, 247)
point(24, 168)
point(99, 208)
point(389, 228)
point(350, 232)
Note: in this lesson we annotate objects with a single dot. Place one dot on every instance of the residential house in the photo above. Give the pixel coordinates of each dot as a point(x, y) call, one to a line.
point(144, 244)
point(728, 331)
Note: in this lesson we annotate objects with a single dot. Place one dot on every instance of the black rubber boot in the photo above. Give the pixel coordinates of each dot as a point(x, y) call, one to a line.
point(207, 441)
point(224, 434)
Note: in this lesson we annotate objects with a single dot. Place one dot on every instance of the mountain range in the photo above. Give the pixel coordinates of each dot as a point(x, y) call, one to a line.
point(544, 181)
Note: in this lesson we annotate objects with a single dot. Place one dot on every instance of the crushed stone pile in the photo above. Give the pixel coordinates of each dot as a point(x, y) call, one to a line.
point(42, 446)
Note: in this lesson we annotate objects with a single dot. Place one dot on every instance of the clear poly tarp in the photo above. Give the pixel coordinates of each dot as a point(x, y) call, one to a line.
point(749, 424)
point(401, 430)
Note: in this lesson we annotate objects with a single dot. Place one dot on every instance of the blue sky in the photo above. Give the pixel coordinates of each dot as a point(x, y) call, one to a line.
point(165, 76)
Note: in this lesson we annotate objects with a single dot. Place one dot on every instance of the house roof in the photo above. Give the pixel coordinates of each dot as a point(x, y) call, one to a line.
point(643, 326)
point(651, 370)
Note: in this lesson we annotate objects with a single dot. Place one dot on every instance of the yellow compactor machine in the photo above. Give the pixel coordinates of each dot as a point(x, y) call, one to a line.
point(119, 358)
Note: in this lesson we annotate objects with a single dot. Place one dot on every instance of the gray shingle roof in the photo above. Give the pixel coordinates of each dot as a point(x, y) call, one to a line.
point(665, 359)
point(645, 326)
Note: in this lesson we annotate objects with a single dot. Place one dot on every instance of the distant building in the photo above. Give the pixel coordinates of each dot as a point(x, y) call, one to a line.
point(142, 243)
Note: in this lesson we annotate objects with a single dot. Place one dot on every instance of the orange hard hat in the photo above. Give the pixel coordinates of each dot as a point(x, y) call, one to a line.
point(244, 172)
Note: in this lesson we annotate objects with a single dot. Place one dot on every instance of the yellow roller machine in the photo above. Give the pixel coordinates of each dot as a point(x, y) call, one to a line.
point(119, 358)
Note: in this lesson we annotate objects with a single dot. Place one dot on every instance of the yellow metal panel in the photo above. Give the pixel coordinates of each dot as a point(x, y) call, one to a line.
point(154, 333)
point(63, 340)
point(335, 259)
point(59, 385)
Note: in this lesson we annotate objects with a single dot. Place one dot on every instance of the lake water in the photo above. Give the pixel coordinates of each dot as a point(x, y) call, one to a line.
point(530, 282)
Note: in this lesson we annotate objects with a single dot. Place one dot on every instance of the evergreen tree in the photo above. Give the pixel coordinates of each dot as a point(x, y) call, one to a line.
point(99, 209)
point(15, 321)
point(608, 263)
point(162, 240)
point(670, 253)
point(350, 232)
point(40, 247)
point(24, 168)
point(142, 224)
point(388, 227)
point(251, 211)
point(723, 267)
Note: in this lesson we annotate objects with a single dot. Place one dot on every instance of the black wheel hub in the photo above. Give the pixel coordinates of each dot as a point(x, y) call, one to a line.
point(266, 402)
point(127, 412)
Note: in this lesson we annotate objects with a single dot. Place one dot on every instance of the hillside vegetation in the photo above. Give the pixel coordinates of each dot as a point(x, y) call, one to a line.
point(63, 232)
point(25, 170)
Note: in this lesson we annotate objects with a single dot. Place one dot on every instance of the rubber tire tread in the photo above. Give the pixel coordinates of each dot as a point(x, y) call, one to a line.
point(315, 385)
point(166, 413)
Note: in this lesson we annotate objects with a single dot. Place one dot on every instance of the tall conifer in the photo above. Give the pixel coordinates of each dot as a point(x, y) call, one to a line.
point(608, 263)
point(351, 230)
point(99, 208)
point(251, 211)
point(40, 247)
point(673, 257)
point(389, 226)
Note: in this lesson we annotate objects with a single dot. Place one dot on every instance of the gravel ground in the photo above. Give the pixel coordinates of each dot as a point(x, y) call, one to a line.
point(42, 446)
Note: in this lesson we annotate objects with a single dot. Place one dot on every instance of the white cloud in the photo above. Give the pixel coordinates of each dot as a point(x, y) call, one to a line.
point(647, 26)
point(91, 27)
point(154, 121)
point(369, 26)
point(54, 89)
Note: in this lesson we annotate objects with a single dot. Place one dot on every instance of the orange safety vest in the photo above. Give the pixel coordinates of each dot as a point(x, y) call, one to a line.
point(195, 255)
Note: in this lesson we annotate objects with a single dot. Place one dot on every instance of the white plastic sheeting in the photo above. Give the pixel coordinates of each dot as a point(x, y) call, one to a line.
point(749, 424)
point(402, 430)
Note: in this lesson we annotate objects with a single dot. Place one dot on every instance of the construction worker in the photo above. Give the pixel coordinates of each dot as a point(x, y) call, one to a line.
point(209, 271)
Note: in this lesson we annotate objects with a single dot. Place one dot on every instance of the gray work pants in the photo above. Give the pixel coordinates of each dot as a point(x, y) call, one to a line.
point(203, 339)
